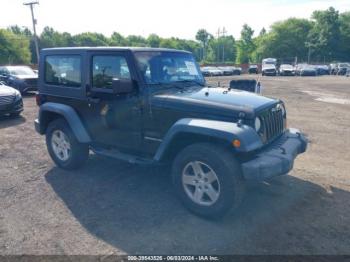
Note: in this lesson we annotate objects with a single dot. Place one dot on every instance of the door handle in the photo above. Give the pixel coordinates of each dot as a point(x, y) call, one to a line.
point(93, 100)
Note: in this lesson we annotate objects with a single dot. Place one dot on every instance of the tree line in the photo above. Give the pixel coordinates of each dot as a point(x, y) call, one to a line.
point(325, 37)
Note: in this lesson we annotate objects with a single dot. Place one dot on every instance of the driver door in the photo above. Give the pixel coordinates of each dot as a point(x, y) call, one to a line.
point(114, 119)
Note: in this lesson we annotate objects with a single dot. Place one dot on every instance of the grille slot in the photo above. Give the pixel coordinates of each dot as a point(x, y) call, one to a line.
point(6, 100)
point(272, 123)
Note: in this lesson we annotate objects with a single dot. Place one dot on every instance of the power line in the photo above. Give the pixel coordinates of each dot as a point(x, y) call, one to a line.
point(34, 21)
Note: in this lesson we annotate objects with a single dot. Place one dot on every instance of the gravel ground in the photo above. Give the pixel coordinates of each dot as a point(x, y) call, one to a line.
point(110, 207)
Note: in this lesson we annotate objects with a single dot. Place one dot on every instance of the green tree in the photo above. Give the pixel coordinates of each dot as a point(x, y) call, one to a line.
point(51, 38)
point(135, 40)
point(222, 49)
point(288, 39)
point(14, 49)
point(117, 39)
point(344, 43)
point(203, 36)
point(89, 39)
point(325, 35)
point(245, 46)
point(153, 40)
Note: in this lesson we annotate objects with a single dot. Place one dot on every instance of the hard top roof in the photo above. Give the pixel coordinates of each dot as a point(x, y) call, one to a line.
point(115, 48)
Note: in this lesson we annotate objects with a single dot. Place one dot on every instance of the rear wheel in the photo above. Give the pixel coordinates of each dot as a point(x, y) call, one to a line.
point(63, 147)
point(207, 179)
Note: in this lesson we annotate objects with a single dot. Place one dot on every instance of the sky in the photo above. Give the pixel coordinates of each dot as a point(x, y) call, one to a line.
point(167, 18)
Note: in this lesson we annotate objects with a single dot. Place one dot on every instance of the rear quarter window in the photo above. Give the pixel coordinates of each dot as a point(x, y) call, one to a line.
point(63, 70)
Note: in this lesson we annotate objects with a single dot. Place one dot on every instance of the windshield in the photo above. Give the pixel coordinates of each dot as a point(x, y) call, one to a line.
point(168, 67)
point(21, 70)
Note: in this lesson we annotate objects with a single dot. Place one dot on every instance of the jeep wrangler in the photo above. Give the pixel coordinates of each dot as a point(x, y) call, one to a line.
point(152, 106)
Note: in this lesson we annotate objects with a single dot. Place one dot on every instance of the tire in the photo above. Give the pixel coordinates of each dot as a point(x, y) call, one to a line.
point(78, 152)
point(229, 185)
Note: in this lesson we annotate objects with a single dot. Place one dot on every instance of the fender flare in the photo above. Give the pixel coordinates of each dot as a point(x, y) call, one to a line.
point(69, 114)
point(226, 131)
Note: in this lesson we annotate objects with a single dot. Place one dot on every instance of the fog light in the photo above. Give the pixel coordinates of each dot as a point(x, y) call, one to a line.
point(236, 143)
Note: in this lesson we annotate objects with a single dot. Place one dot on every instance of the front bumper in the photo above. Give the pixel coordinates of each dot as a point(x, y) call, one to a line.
point(270, 73)
point(277, 159)
point(288, 73)
point(15, 107)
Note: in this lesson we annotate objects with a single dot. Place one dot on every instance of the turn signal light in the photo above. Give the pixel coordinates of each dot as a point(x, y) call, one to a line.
point(236, 143)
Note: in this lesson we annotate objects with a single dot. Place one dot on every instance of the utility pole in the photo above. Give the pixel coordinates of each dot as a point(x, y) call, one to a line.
point(218, 36)
point(223, 44)
point(30, 4)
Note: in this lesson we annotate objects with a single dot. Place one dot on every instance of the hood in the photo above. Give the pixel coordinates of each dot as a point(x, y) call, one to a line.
point(7, 91)
point(287, 69)
point(24, 77)
point(268, 66)
point(214, 101)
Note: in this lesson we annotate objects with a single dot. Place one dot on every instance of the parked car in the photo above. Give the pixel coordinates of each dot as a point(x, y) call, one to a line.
point(269, 67)
point(305, 70)
point(253, 69)
point(215, 138)
point(227, 70)
point(237, 70)
point(205, 71)
point(286, 70)
point(22, 78)
point(214, 71)
point(323, 70)
point(333, 69)
point(10, 101)
point(342, 68)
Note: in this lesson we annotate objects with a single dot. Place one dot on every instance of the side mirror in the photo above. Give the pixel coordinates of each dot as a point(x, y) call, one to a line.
point(122, 86)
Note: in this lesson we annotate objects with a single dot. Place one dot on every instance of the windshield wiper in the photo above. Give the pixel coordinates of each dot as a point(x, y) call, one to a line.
point(190, 81)
point(167, 85)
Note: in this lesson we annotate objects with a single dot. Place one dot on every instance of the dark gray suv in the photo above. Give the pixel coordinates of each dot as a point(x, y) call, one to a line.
point(152, 106)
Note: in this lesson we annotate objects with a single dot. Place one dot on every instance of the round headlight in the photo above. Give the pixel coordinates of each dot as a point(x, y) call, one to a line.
point(257, 124)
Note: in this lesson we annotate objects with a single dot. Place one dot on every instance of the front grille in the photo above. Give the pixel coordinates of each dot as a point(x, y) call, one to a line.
point(272, 123)
point(6, 100)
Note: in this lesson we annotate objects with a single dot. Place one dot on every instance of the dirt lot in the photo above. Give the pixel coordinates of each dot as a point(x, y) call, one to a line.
point(109, 207)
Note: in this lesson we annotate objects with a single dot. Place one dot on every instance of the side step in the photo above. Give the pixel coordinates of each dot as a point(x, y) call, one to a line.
point(113, 153)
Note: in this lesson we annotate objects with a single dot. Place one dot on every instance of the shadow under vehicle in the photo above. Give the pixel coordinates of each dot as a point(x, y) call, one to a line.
point(133, 208)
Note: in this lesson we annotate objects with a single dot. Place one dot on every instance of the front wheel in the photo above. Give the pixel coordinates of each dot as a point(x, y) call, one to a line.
point(63, 147)
point(207, 179)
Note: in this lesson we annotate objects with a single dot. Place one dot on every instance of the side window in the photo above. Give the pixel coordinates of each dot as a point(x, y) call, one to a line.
point(107, 67)
point(63, 70)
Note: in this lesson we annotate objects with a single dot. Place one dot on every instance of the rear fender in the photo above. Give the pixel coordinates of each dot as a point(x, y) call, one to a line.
point(69, 114)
